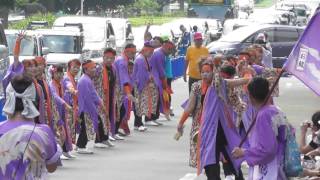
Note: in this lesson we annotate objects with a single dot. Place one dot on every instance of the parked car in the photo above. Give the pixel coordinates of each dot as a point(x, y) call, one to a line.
point(98, 34)
point(30, 46)
point(282, 39)
point(64, 44)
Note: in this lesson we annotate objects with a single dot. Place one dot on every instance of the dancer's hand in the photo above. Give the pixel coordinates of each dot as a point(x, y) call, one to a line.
point(237, 153)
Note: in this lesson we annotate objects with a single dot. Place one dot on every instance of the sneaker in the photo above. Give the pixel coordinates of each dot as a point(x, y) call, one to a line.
point(118, 137)
point(68, 155)
point(84, 151)
point(142, 128)
point(108, 143)
point(111, 138)
point(63, 157)
point(171, 112)
point(157, 122)
point(152, 123)
point(167, 116)
point(230, 177)
point(122, 133)
point(100, 145)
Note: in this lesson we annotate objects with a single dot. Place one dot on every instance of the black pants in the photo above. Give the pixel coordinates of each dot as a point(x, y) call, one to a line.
point(83, 138)
point(213, 170)
point(191, 81)
point(137, 120)
point(122, 114)
point(103, 136)
point(154, 116)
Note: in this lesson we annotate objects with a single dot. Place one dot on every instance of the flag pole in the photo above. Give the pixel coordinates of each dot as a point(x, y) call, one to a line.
point(264, 103)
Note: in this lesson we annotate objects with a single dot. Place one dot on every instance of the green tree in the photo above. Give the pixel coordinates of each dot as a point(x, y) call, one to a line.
point(147, 5)
point(5, 6)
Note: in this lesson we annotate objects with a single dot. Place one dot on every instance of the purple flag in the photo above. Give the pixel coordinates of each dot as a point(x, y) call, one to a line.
point(304, 60)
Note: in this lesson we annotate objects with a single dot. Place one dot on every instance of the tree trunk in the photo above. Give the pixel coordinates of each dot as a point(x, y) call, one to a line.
point(49, 4)
point(4, 13)
point(181, 2)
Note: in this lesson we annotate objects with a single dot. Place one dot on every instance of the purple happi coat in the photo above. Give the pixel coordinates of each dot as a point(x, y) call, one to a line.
point(122, 73)
point(88, 99)
point(141, 74)
point(62, 121)
point(21, 163)
point(122, 78)
point(157, 62)
point(214, 110)
point(265, 155)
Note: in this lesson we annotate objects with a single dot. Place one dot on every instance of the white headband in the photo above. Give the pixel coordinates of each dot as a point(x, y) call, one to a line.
point(28, 96)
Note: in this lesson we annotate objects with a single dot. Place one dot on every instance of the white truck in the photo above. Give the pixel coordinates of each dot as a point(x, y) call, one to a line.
point(98, 34)
point(30, 46)
point(123, 31)
point(63, 43)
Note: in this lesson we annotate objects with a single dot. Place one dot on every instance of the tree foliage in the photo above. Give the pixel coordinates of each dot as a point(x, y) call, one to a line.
point(7, 3)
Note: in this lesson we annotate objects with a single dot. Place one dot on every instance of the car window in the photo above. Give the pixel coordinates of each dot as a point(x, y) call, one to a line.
point(61, 43)
point(300, 31)
point(269, 32)
point(110, 30)
point(286, 35)
point(28, 45)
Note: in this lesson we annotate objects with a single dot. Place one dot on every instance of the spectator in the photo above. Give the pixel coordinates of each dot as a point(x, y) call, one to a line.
point(193, 56)
point(185, 41)
point(314, 126)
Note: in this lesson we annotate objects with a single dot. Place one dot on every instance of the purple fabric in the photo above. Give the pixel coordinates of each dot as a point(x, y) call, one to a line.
point(249, 114)
point(265, 145)
point(60, 103)
point(259, 69)
point(184, 104)
point(213, 111)
point(141, 75)
point(12, 71)
point(121, 66)
point(42, 141)
point(67, 96)
point(88, 99)
point(157, 63)
point(304, 60)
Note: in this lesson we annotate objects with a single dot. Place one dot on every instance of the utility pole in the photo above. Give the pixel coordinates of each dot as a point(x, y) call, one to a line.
point(181, 2)
point(81, 11)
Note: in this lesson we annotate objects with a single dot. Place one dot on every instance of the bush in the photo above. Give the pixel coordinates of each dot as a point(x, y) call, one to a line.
point(49, 17)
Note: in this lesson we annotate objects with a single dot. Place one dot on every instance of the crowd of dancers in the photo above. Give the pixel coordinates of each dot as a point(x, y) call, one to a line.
point(53, 110)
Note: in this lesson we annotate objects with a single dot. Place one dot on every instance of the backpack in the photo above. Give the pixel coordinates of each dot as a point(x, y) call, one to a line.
point(292, 161)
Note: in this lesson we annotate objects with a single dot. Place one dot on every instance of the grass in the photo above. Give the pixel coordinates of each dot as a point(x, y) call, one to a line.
point(265, 3)
point(154, 20)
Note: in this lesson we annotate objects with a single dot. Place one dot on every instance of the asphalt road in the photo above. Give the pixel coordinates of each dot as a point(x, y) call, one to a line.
point(156, 155)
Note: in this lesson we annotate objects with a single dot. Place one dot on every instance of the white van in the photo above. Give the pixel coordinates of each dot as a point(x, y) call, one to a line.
point(64, 44)
point(30, 46)
point(123, 31)
point(98, 33)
